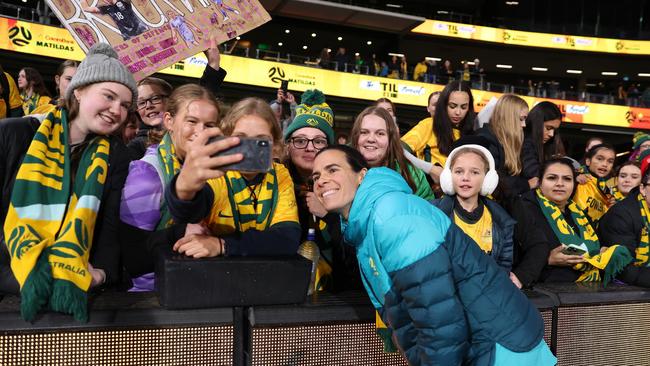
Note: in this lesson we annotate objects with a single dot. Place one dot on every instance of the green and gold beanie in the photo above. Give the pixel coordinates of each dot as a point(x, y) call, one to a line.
point(639, 138)
point(313, 112)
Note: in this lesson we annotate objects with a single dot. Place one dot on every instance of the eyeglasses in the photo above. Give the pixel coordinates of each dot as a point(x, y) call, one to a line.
point(318, 143)
point(154, 99)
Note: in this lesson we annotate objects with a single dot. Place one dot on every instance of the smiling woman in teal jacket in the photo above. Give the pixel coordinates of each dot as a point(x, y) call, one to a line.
point(446, 302)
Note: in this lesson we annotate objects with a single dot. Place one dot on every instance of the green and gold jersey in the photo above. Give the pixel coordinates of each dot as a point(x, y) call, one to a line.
point(239, 207)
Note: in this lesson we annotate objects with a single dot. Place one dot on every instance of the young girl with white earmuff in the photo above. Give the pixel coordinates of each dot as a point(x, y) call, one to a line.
point(468, 177)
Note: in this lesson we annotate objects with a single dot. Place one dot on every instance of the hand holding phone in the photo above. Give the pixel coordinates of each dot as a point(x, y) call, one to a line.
point(573, 250)
point(557, 257)
point(202, 162)
point(257, 154)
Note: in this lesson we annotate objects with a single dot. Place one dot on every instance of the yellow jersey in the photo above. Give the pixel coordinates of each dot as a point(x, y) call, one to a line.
point(15, 100)
point(424, 143)
point(591, 199)
point(238, 207)
point(480, 231)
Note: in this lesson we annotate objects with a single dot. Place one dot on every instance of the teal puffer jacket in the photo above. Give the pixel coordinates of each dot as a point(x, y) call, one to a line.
point(446, 302)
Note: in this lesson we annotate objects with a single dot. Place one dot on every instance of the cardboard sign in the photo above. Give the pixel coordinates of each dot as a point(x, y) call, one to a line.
point(150, 35)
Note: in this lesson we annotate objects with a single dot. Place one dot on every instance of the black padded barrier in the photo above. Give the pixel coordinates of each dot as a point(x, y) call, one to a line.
point(601, 326)
point(123, 329)
point(334, 330)
point(585, 325)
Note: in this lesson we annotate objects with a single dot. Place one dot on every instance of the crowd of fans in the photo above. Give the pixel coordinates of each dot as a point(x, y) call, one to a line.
point(431, 70)
point(101, 179)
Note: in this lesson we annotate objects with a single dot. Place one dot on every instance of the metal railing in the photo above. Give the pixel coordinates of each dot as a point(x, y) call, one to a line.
point(477, 80)
point(19, 12)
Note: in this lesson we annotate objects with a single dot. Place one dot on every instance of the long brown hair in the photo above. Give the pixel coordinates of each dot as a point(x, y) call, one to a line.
point(394, 158)
point(506, 126)
point(35, 81)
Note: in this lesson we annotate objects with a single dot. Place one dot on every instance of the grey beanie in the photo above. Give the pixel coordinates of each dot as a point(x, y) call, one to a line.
point(102, 64)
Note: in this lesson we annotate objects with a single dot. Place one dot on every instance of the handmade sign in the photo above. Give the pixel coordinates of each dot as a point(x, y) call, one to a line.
point(150, 35)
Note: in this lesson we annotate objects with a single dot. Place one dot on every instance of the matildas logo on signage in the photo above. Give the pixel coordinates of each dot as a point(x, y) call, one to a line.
point(20, 36)
point(276, 74)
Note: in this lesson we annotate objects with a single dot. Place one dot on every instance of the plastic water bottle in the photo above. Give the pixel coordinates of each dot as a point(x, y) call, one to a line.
point(309, 250)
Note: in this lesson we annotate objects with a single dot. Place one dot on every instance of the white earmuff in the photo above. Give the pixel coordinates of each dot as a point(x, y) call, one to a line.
point(491, 177)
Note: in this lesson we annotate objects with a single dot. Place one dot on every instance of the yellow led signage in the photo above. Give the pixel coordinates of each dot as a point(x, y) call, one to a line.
point(55, 42)
point(532, 39)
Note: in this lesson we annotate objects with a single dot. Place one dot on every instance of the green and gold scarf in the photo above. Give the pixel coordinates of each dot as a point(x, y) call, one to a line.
point(252, 207)
point(50, 223)
point(29, 103)
point(643, 250)
point(601, 183)
point(170, 167)
point(611, 261)
point(617, 194)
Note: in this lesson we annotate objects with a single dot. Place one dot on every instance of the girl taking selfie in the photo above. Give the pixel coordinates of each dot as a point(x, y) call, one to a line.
point(246, 212)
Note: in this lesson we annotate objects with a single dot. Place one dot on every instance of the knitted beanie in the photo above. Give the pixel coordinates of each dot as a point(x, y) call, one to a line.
point(100, 65)
point(313, 112)
point(639, 139)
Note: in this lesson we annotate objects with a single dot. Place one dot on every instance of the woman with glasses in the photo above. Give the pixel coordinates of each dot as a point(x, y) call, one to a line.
point(375, 135)
point(310, 132)
point(152, 101)
point(151, 105)
point(145, 219)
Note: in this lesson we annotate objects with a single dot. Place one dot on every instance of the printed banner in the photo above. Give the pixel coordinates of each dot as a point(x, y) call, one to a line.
point(533, 39)
point(38, 39)
point(150, 35)
point(270, 74)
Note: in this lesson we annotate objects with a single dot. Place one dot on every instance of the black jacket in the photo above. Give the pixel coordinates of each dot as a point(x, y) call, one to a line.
point(534, 240)
point(510, 186)
point(622, 224)
point(16, 135)
point(530, 164)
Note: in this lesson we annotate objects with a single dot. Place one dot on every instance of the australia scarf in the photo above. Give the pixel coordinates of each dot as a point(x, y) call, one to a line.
point(617, 194)
point(601, 183)
point(610, 262)
point(170, 167)
point(642, 251)
point(50, 223)
point(252, 206)
point(30, 103)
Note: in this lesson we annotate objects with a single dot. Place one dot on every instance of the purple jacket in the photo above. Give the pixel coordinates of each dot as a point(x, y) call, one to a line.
point(142, 193)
